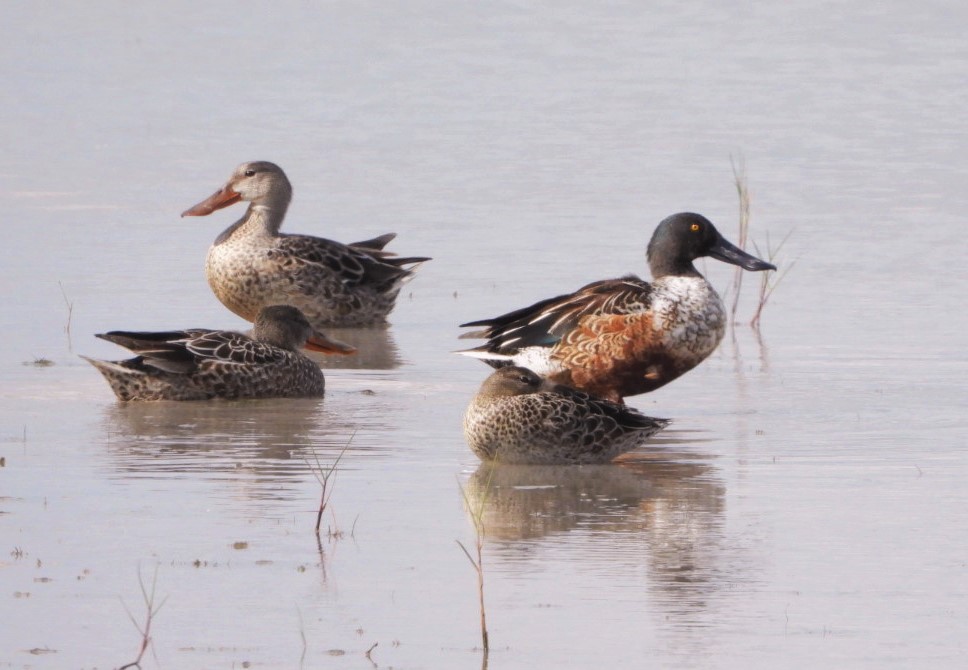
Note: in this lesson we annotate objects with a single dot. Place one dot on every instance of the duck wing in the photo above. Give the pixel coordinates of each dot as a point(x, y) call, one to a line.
point(229, 347)
point(182, 351)
point(356, 264)
point(165, 350)
point(628, 418)
point(547, 322)
point(375, 244)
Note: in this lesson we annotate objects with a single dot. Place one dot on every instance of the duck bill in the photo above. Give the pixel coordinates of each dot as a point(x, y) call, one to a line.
point(224, 197)
point(326, 345)
point(729, 253)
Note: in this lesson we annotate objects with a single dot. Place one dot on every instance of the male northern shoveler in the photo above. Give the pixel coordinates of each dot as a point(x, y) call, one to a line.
point(518, 417)
point(251, 264)
point(621, 337)
point(199, 364)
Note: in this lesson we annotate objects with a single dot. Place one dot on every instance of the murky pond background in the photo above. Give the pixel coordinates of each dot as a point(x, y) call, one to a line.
point(806, 509)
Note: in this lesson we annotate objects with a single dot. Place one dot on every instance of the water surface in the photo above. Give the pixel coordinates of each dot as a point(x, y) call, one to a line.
point(805, 509)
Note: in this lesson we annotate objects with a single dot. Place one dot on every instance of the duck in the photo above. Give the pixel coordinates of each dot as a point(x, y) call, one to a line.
point(616, 338)
point(518, 417)
point(201, 364)
point(251, 264)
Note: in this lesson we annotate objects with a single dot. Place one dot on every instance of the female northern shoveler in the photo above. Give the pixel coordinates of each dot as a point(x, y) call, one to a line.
point(199, 364)
point(251, 264)
point(518, 417)
point(621, 337)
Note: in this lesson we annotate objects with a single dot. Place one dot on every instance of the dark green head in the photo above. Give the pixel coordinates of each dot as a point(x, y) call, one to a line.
point(682, 238)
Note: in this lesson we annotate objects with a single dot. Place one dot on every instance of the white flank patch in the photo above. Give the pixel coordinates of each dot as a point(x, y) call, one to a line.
point(535, 359)
point(111, 365)
point(538, 360)
point(484, 355)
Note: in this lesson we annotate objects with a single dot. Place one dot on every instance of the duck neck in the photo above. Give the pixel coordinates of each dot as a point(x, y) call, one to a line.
point(271, 335)
point(261, 218)
point(666, 266)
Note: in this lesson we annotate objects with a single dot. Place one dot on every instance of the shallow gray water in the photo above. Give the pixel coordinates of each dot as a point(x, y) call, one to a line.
point(806, 508)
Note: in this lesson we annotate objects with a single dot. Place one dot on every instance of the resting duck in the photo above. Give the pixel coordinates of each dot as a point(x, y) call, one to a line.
point(200, 364)
point(518, 417)
point(621, 337)
point(251, 264)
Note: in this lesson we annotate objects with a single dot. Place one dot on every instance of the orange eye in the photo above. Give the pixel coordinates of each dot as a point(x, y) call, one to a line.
point(694, 227)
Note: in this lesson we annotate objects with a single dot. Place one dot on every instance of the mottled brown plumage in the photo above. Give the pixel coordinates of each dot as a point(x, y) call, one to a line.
point(200, 364)
point(518, 417)
point(251, 264)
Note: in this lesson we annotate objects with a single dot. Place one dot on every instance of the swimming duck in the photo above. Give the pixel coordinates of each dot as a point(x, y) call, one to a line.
point(621, 337)
point(251, 264)
point(518, 417)
point(199, 364)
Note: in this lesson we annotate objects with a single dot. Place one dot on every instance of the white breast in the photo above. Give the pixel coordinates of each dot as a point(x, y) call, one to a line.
point(688, 314)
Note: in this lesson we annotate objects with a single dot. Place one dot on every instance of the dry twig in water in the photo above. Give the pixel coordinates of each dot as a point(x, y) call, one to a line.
point(739, 176)
point(70, 314)
point(370, 651)
point(302, 636)
point(322, 476)
point(477, 516)
point(766, 285)
point(151, 611)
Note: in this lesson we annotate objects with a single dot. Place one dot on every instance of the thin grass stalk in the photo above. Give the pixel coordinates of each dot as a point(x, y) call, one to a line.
point(767, 283)
point(302, 636)
point(322, 476)
point(739, 177)
point(477, 517)
point(70, 314)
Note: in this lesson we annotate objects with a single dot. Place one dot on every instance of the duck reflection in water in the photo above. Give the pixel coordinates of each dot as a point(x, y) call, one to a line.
point(264, 445)
point(656, 511)
point(376, 349)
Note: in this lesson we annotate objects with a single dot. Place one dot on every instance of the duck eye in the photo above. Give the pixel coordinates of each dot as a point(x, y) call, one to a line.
point(250, 173)
point(694, 227)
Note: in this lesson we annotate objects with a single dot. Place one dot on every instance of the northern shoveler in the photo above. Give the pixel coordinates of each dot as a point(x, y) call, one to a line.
point(199, 364)
point(518, 417)
point(621, 337)
point(251, 264)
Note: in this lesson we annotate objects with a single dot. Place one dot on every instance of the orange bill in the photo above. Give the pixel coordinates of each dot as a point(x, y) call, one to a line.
point(223, 197)
point(326, 345)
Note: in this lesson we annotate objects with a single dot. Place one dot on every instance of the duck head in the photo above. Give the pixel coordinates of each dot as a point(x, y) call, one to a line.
point(287, 327)
point(260, 182)
point(513, 380)
point(682, 238)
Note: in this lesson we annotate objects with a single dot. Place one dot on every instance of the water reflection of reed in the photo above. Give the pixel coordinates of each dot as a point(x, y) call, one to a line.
point(375, 350)
point(266, 440)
